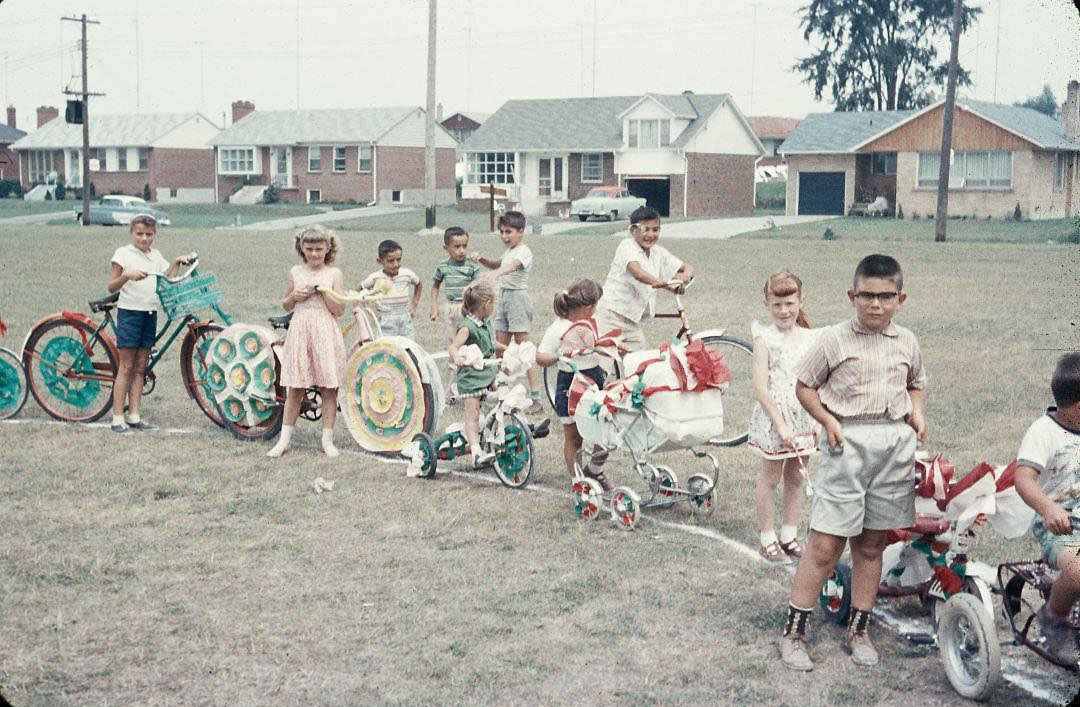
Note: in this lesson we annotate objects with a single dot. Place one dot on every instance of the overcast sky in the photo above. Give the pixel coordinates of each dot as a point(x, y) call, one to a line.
point(203, 54)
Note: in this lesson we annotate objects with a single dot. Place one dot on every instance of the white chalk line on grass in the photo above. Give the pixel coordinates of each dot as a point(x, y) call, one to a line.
point(1013, 671)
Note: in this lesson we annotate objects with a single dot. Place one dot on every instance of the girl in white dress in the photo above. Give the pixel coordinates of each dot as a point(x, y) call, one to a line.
point(780, 429)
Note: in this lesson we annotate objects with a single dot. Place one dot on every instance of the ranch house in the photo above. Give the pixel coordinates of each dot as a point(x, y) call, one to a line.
point(362, 155)
point(686, 154)
point(9, 133)
point(1003, 156)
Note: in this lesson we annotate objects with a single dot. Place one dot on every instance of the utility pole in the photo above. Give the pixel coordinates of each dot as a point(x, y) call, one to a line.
point(138, 90)
point(946, 128)
point(753, 59)
point(429, 127)
point(594, 23)
point(85, 93)
point(997, 50)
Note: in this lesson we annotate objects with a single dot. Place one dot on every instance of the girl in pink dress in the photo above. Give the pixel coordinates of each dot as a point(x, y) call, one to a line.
point(314, 352)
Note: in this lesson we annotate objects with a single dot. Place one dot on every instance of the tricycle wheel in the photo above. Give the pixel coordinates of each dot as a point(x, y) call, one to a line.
point(668, 484)
point(835, 596)
point(429, 456)
point(969, 647)
point(514, 458)
point(625, 507)
point(702, 494)
point(588, 498)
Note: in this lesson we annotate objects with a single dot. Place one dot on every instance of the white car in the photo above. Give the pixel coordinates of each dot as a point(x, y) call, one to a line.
point(611, 203)
point(119, 210)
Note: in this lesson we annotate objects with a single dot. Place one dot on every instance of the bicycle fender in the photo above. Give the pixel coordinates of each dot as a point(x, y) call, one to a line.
point(72, 317)
point(983, 571)
point(709, 332)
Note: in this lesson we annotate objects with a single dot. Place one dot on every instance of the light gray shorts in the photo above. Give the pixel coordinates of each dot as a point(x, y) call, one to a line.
point(514, 312)
point(870, 484)
point(632, 336)
point(396, 325)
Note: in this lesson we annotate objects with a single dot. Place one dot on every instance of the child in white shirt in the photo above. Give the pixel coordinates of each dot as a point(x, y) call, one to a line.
point(397, 307)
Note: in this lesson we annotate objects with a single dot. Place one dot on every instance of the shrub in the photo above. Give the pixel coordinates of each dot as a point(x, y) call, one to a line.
point(1016, 212)
point(900, 212)
point(272, 195)
point(828, 235)
point(915, 216)
point(48, 196)
point(1074, 237)
point(61, 192)
point(146, 192)
point(10, 188)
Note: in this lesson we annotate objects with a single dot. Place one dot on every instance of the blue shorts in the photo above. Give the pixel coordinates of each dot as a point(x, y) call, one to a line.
point(562, 390)
point(135, 329)
point(1053, 545)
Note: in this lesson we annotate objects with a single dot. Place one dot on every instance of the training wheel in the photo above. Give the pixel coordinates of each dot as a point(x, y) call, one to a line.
point(668, 484)
point(702, 494)
point(625, 507)
point(429, 457)
point(588, 498)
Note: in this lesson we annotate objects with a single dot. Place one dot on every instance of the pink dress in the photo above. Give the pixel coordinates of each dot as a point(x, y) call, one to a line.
point(314, 352)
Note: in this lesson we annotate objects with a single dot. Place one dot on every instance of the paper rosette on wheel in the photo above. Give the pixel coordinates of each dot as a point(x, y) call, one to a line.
point(241, 373)
point(393, 391)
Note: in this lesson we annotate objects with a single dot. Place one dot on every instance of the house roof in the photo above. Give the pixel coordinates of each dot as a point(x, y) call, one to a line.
point(846, 131)
point(9, 134)
point(590, 124)
point(770, 127)
point(286, 127)
point(475, 116)
point(105, 131)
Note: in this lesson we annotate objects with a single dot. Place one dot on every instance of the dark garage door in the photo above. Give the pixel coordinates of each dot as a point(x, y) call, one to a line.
point(655, 192)
point(821, 193)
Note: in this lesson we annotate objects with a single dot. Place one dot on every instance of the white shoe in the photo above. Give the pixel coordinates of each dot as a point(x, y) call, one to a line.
point(328, 444)
point(283, 442)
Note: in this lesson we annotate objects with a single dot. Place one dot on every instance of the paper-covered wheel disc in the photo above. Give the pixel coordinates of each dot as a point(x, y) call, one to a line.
point(241, 373)
point(384, 398)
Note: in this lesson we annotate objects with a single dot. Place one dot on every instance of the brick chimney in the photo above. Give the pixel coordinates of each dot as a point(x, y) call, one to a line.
point(240, 109)
point(45, 114)
point(11, 117)
point(1070, 111)
point(438, 112)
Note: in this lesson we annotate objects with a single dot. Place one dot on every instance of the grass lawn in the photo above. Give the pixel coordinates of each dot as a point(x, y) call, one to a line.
point(890, 231)
point(20, 207)
point(769, 198)
point(187, 567)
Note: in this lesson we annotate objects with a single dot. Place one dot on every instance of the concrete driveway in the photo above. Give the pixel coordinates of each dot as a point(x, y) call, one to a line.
point(322, 217)
point(716, 228)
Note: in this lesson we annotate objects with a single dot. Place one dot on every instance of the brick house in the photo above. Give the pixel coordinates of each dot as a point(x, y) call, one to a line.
point(167, 151)
point(685, 154)
point(1003, 155)
point(363, 155)
point(772, 131)
point(9, 133)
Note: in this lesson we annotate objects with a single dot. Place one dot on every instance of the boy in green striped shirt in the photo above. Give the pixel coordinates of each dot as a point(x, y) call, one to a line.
point(452, 276)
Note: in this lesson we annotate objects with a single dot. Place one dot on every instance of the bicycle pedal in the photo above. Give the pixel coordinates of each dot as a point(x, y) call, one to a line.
point(541, 430)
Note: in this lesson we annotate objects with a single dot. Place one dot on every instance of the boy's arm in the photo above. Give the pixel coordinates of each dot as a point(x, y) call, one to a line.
point(501, 269)
point(685, 272)
point(175, 266)
point(118, 277)
point(638, 273)
point(417, 289)
point(916, 418)
point(435, 299)
point(1054, 516)
point(489, 263)
point(811, 401)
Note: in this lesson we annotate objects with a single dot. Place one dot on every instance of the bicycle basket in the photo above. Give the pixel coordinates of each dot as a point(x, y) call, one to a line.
point(189, 295)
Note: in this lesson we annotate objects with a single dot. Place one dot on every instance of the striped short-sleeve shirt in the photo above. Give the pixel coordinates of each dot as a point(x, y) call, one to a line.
point(455, 277)
point(861, 374)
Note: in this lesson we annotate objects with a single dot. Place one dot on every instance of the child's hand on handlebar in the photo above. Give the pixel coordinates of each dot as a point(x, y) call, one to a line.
point(1057, 520)
point(135, 275)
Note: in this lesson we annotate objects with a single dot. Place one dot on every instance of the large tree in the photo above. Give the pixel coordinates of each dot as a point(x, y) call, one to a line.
point(879, 54)
point(1044, 103)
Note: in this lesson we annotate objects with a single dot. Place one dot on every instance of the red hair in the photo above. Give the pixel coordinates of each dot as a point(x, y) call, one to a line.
point(785, 284)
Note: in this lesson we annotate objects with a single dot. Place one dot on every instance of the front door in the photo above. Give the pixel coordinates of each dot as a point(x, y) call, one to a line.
point(550, 181)
point(281, 167)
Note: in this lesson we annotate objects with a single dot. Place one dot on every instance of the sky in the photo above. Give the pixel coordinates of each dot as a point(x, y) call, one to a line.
point(152, 56)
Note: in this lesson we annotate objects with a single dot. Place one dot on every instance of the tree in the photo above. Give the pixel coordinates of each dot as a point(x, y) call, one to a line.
point(878, 54)
point(1045, 103)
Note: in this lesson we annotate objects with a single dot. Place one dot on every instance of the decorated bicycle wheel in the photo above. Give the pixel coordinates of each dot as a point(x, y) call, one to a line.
point(240, 374)
point(13, 388)
point(386, 403)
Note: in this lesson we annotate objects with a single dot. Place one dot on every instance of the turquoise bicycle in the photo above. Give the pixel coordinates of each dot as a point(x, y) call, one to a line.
point(13, 388)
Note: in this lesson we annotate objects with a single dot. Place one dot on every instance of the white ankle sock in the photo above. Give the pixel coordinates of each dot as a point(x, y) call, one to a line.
point(118, 420)
point(132, 419)
point(788, 533)
point(768, 537)
point(282, 443)
point(328, 443)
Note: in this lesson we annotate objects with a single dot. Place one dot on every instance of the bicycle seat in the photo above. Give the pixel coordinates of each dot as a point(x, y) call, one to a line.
point(104, 304)
point(281, 322)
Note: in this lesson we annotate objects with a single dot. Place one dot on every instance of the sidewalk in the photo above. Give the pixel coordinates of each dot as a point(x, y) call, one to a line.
point(322, 217)
point(716, 228)
point(64, 216)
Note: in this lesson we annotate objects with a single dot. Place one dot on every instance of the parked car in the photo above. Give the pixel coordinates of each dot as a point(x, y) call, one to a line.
point(608, 202)
point(119, 209)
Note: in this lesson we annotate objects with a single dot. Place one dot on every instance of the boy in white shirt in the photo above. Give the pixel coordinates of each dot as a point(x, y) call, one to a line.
point(639, 268)
point(135, 270)
point(397, 307)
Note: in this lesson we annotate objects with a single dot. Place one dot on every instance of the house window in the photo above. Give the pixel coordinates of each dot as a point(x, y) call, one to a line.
point(1061, 165)
point(339, 159)
point(238, 160)
point(173, 193)
point(366, 157)
point(592, 168)
point(144, 159)
point(314, 160)
point(883, 163)
point(490, 168)
point(121, 159)
point(41, 165)
point(648, 133)
point(314, 196)
point(969, 170)
point(395, 196)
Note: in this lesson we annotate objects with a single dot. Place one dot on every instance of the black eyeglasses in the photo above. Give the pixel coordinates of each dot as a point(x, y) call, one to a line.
point(883, 297)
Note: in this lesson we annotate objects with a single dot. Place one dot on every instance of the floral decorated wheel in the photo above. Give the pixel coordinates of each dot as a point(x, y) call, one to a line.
point(702, 494)
point(13, 387)
point(625, 507)
point(668, 486)
point(513, 451)
point(385, 402)
point(242, 377)
point(588, 498)
point(429, 456)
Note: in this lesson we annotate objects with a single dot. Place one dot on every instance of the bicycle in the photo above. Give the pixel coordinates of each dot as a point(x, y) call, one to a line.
point(391, 390)
point(71, 362)
point(13, 388)
point(739, 398)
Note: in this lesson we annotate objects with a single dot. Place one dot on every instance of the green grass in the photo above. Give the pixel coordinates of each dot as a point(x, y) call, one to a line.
point(893, 231)
point(769, 198)
point(214, 215)
point(217, 575)
point(20, 207)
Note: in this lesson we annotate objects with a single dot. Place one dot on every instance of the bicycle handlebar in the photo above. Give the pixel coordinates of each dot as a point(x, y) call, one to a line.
point(193, 262)
point(351, 295)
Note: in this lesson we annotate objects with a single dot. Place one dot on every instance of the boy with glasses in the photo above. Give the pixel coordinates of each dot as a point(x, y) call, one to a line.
point(864, 382)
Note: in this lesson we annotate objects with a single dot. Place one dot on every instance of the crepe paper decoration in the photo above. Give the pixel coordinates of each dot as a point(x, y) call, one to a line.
point(241, 373)
point(385, 402)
